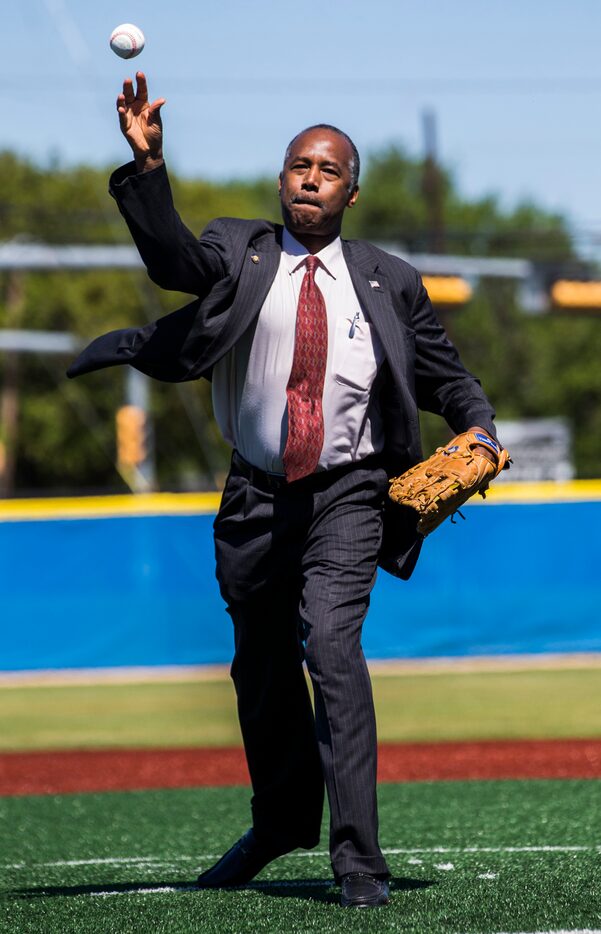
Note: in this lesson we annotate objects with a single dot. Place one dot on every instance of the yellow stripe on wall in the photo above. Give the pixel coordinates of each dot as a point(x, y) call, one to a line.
point(575, 491)
point(93, 507)
point(173, 504)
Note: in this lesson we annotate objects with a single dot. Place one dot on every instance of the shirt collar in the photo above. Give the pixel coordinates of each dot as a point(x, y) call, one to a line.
point(294, 252)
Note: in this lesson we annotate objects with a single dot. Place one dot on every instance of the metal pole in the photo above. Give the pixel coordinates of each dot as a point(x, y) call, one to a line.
point(432, 185)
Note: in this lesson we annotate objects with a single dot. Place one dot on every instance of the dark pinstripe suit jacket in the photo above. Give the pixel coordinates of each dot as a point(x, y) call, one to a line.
point(231, 268)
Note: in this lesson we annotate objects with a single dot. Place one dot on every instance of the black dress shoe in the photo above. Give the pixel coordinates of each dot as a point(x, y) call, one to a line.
point(240, 864)
point(360, 890)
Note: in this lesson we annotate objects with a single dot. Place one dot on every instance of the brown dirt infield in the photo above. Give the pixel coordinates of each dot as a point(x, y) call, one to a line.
point(59, 772)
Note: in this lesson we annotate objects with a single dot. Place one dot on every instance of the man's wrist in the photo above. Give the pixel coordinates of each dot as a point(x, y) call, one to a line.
point(146, 163)
point(480, 449)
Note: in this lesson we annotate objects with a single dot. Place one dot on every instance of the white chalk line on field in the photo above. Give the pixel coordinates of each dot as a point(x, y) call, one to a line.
point(159, 861)
point(258, 886)
point(143, 891)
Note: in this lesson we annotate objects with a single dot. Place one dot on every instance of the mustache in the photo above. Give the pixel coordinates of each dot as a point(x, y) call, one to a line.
point(304, 199)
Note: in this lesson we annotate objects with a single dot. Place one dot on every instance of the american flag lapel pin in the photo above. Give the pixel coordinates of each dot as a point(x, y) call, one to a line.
point(374, 283)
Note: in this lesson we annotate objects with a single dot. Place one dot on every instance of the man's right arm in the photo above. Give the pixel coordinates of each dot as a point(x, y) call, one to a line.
point(174, 257)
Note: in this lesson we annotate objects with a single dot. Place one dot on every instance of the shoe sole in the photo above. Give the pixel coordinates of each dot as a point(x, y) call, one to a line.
point(379, 904)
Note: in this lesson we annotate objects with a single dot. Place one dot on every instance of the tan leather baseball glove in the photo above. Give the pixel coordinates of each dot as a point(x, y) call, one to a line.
point(438, 486)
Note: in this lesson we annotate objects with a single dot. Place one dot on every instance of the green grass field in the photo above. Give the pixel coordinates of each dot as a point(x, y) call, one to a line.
point(471, 857)
point(446, 706)
point(466, 857)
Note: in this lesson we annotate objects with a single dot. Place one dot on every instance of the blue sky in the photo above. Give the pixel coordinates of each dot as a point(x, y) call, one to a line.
point(516, 86)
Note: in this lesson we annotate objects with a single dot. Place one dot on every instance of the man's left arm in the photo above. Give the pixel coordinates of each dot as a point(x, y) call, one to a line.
point(443, 385)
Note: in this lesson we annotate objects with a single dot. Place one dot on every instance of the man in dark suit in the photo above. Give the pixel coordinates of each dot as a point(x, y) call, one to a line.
point(321, 351)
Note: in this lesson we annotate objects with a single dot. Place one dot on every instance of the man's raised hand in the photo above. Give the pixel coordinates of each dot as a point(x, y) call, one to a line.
point(140, 123)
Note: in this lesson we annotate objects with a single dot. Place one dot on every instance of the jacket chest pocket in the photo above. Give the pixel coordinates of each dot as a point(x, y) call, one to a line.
point(358, 352)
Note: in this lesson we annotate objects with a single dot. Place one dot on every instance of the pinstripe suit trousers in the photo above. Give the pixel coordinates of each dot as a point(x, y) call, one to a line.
point(296, 565)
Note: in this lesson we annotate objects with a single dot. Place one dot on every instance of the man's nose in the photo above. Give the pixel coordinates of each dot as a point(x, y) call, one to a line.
point(311, 179)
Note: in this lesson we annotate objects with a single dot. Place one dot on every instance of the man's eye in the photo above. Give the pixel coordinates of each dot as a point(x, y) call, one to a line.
point(328, 170)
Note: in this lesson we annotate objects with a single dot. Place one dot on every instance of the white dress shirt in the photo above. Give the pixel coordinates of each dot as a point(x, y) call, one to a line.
point(249, 383)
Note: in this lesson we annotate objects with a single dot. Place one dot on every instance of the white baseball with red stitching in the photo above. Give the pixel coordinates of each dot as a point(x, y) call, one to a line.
point(127, 40)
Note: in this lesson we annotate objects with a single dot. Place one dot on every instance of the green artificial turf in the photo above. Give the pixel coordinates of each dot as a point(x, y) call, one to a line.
point(475, 705)
point(472, 857)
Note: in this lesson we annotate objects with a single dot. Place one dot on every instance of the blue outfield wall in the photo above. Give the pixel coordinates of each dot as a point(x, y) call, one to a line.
point(141, 590)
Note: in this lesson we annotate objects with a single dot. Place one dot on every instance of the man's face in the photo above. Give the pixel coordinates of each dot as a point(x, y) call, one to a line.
point(314, 184)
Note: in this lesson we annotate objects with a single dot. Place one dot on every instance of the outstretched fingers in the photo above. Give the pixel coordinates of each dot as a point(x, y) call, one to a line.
point(128, 92)
point(142, 89)
point(123, 111)
point(140, 94)
point(140, 122)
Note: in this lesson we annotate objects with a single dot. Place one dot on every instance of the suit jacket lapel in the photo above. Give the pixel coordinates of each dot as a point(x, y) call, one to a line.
point(258, 271)
point(259, 267)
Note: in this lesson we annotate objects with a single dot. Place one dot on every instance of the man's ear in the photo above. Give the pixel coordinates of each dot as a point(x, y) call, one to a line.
point(279, 183)
point(353, 197)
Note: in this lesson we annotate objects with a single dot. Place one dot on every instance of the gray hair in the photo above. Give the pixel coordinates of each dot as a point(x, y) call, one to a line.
point(354, 163)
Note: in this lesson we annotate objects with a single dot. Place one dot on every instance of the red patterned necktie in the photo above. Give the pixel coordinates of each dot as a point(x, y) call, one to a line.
point(305, 385)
